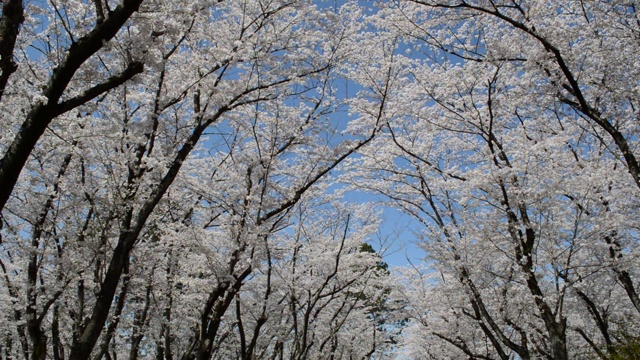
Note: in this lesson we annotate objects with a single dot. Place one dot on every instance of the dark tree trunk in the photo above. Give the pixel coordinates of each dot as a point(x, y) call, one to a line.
point(12, 18)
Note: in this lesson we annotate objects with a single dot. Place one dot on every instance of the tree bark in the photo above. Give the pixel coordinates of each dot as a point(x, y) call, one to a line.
point(12, 18)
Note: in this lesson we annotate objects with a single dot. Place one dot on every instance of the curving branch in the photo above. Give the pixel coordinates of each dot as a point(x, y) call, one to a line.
point(41, 114)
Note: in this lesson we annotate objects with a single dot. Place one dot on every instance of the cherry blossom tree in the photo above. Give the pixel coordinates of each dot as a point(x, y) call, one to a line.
point(71, 38)
point(513, 143)
point(143, 207)
point(173, 178)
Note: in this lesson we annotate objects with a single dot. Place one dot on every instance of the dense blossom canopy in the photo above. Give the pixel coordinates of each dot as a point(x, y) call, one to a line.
point(175, 177)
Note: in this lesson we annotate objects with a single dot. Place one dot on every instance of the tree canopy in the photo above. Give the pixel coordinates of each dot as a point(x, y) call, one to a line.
point(174, 179)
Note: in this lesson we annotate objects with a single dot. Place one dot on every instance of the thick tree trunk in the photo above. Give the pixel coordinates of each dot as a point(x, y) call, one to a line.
point(12, 18)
